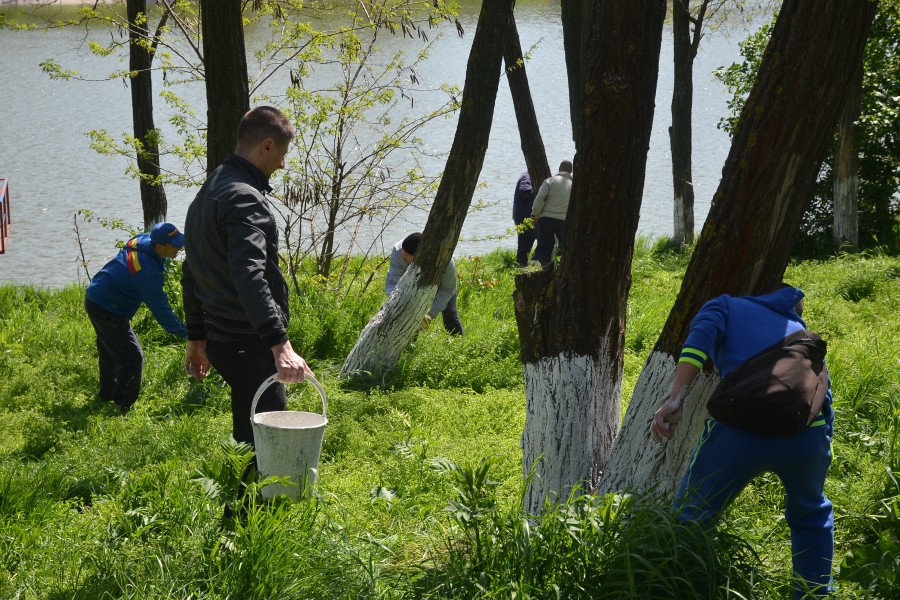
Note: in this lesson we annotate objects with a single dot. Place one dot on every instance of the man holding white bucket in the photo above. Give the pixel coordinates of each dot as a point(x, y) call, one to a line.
point(235, 297)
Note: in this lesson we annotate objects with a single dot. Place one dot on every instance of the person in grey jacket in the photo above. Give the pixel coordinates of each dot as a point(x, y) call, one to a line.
point(235, 296)
point(445, 300)
point(549, 211)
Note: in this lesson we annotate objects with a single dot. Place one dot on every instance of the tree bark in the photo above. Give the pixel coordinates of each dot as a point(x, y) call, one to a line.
point(684, 52)
point(571, 322)
point(227, 82)
point(526, 117)
point(140, 58)
point(577, 16)
point(388, 333)
point(846, 170)
point(781, 138)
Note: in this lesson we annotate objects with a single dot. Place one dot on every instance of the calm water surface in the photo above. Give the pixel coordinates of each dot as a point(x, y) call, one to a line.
point(53, 172)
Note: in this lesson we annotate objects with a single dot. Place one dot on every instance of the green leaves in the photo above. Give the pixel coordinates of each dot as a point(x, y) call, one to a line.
point(875, 564)
point(55, 71)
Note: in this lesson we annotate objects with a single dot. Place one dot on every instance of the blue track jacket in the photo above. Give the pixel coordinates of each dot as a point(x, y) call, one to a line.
point(135, 275)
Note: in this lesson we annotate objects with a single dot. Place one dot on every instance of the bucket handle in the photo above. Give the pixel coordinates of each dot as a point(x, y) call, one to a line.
point(274, 378)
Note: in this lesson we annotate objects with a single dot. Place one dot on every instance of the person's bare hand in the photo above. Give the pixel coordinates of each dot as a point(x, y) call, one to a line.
point(291, 366)
point(667, 416)
point(196, 363)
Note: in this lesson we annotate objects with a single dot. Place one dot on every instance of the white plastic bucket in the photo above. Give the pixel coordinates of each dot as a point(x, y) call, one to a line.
point(288, 443)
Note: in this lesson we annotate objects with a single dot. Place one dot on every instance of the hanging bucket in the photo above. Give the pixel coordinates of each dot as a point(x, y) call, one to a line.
point(288, 443)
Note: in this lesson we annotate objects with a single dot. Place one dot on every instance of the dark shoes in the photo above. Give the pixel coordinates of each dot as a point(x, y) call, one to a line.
point(98, 397)
point(125, 408)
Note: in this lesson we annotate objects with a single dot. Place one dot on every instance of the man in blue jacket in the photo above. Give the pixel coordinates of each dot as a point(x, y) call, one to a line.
point(730, 330)
point(523, 201)
point(135, 275)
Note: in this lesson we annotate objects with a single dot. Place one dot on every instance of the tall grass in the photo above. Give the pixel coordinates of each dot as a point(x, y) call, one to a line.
point(420, 483)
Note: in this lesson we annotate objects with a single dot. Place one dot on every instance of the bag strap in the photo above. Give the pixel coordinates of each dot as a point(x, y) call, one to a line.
point(815, 346)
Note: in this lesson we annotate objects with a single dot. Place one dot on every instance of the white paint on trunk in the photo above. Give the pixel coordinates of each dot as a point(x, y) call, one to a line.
point(636, 463)
point(573, 406)
point(846, 212)
point(389, 332)
point(680, 229)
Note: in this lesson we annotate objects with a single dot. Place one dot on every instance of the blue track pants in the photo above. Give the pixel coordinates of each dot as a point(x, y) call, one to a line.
point(727, 459)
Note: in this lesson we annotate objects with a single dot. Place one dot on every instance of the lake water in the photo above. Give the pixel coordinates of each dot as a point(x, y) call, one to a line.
point(53, 172)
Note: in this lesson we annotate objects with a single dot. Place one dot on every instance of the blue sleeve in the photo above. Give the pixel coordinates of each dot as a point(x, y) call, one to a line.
point(706, 333)
point(152, 294)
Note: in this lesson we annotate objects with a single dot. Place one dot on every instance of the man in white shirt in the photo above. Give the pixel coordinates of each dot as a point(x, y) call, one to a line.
point(550, 207)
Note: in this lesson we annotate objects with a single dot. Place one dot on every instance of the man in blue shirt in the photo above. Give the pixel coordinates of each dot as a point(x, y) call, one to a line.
point(523, 201)
point(729, 330)
point(114, 295)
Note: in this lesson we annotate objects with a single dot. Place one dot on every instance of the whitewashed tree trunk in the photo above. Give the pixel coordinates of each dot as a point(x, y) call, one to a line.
point(779, 143)
point(384, 338)
point(636, 462)
point(846, 213)
point(572, 321)
point(680, 230)
point(389, 332)
point(846, 171)
point(573, 405)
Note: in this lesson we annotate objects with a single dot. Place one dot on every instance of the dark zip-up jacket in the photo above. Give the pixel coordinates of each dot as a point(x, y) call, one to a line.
point(232, 282)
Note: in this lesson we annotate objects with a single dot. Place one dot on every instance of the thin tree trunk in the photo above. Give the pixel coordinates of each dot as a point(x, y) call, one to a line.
point(526, 117)
point(846, 170)
point(334, 204)
point(572, 321)
point(781, 138)
point(140, 58)
point(388, 333)
point(684, 51)
point(227, 82)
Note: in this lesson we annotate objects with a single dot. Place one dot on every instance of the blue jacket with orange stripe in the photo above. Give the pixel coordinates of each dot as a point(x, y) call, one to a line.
point(135, 275)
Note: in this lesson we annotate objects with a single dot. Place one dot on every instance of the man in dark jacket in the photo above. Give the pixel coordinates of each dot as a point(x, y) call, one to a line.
point(114, 295)
point(523, 201)
point(235, 297)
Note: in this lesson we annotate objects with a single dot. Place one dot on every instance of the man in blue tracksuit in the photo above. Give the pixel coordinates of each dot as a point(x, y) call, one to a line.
point(730, 330)
point(135, 275)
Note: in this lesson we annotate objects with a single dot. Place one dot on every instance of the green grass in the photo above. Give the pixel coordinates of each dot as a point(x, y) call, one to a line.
point(420, 476)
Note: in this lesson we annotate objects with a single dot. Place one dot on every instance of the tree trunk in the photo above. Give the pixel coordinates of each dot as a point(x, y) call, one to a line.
point(140, 57)
point(572, 321)
point(388, 333)
point(684, 52)
point(526, 118)
point(227, 83)
point(781, 138)
point(846, 170)
point(335, 199)
point(577, 16)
